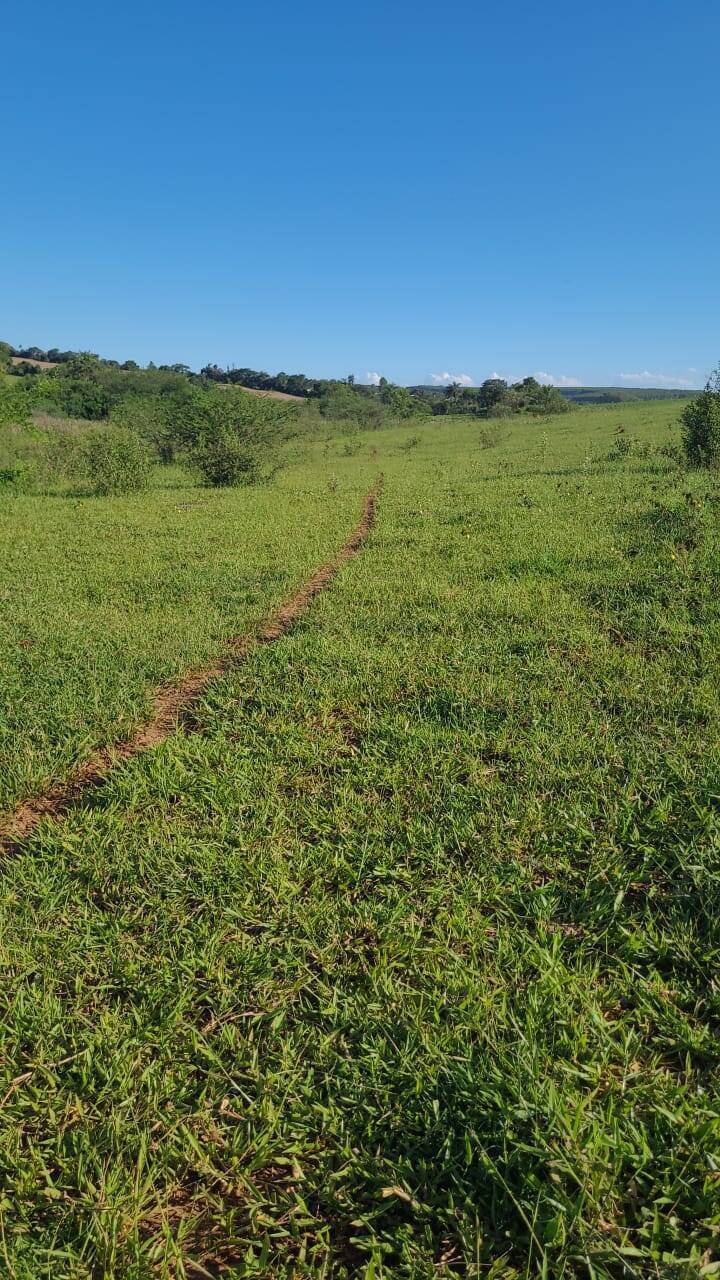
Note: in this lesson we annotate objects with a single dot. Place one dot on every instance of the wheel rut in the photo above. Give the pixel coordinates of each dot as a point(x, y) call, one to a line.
point(174, 702)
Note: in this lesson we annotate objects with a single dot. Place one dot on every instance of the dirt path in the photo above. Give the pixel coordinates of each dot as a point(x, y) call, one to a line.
point(174, 701)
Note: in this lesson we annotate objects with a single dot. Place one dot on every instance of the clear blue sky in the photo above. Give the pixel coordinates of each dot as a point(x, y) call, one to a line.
point(405, 188)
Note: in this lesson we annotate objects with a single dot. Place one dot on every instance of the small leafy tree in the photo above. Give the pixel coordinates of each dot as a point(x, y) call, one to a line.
point(153, 419)
point(225, 460)
point(701, 425)
point(116, 460)
point(230, 436)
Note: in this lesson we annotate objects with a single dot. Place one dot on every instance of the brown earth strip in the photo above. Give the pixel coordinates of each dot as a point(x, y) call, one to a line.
point(174, 701)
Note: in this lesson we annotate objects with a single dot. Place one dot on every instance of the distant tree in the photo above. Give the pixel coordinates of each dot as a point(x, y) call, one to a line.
point(32, 353)
point(491, 393)
point(701, 425)
point(346, 404)
point(351, 379)
point(85, 364)
point(397, 400)
point(531, 396)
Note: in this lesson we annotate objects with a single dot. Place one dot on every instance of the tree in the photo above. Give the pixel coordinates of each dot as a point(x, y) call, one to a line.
point(701, 425)
point(85, 364)
point(491, 393)
point(229, 436)
point(346, 404)
point(530, 396)
point(397, 400)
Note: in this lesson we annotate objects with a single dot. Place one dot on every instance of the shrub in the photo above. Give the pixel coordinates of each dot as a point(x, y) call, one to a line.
point(344, 404)
point(701, 425)
point(19, 477)
point(628, 446)
point(14, 407)
point(230, 436)
point(116, 461)
point(224, 460)
point(490, 437)
point(151, 418)
point(74, 397)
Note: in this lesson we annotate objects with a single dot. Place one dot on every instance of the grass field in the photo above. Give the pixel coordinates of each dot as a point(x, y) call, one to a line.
point(403, 962)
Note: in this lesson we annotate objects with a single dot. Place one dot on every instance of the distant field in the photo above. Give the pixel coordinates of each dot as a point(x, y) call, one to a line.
point(39, 364)
point(274, 395)
point(617, 395)
point(400, 960)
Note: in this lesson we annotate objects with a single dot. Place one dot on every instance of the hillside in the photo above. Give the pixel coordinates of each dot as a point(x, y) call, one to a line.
point(587, 395)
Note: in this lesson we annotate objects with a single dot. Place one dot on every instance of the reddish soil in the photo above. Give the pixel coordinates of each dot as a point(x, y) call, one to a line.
point(174, 702)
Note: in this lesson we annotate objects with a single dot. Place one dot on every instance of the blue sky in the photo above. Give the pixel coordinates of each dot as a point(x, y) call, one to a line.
point(415, 190)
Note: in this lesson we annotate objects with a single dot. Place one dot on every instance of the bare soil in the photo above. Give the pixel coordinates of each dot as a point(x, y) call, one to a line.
point(273, 395)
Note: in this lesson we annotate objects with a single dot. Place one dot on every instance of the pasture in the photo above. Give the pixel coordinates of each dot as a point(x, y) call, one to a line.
point(400, 959)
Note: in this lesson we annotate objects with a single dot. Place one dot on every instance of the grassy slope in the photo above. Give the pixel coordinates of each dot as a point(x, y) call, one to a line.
point(408, 953)
point(102, 599)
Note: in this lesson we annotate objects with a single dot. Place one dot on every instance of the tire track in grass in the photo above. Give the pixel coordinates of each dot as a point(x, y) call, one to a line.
point(173, 702)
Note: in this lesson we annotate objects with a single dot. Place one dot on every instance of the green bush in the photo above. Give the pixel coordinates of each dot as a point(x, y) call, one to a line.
point(701, 426)
point(153, 419)
point(73, 397)
point(626, 445)
point(224, 460)
point(14, 406)
point(116, 461)
point(490, 437)
point(344, 404)
point(230, 436)
point(18, 477)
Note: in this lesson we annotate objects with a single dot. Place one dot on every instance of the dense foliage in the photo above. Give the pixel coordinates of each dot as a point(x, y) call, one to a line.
point(494, 398)
point(701, 425)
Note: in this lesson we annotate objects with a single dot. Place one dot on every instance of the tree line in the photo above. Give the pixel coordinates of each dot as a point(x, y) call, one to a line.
point(494, 398)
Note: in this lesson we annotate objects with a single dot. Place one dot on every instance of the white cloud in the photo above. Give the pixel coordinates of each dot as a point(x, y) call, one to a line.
point(373, 379)
point(648, 379)
point(550, 380)
point(445, 379)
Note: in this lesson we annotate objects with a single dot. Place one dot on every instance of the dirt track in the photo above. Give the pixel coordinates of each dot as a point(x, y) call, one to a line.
point(174, 701)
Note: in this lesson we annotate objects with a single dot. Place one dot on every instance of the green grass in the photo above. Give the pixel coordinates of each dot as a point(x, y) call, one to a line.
point(101, 600)
point(404, 963)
